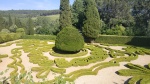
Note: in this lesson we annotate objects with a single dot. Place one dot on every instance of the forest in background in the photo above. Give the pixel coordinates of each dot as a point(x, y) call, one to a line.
point(117, 17)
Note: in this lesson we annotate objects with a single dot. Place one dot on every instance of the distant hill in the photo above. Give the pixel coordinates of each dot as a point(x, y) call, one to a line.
point(26, 13)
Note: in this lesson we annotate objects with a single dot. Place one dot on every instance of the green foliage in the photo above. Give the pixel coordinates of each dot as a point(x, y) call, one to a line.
point(69, 39)
point(60, 80)
point(3, 56)
point(78, 14)
point(117, 30)
point(141, 18)
point(30, 27)
point(91, 28)
point(47, 25)
point(10, 22)
point(40, 37)
point(62, 63)
point(21, 31)
point(5, 37)
point(138, 72)
point(5, 31)
point(130, 40)
point(18, 23)
point(115, 12)
point(148, 29)
point(2, 20)
point(13, 28)
point(65, 14)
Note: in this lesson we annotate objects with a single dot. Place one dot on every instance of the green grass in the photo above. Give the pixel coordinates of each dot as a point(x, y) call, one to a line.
point(53, 17)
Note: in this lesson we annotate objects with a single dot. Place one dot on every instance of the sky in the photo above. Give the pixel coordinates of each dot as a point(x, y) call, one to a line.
point(30, 4)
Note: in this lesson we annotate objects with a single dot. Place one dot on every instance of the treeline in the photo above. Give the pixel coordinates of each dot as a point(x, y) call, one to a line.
point(46, 25)
point(26, 13)
point(117, 17)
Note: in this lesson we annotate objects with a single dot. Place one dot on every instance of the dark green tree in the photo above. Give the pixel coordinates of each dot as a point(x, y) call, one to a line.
point(92, 23)
point(115, 12)
point(141, 13)
point(2, 21)
point(148, 29)
point(10, 22)
point(78, 14)
point(30, 27)
point(65, 14)
point(18, 23)
point(69, 39)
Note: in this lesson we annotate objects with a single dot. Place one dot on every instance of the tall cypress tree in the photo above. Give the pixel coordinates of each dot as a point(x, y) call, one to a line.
point(78, 14)
point(30, 27)
point(1, 22)
point(65, 14)
point(10, 21)
point(91, 28)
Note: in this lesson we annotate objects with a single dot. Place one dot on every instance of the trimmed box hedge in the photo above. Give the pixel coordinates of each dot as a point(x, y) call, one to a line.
point(40, 37)
point(129, 40)
point(5, 37)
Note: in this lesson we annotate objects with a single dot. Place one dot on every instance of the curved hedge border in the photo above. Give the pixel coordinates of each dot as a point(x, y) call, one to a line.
point(3, 56)
point(138, 72)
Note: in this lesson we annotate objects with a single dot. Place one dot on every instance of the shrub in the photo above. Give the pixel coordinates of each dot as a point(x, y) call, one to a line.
point(69, 39)
point(20, 31)
point(5, 31)
point(5, 37)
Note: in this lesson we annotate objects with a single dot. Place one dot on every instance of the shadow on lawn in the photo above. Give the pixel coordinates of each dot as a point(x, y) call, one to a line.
point(63, 52)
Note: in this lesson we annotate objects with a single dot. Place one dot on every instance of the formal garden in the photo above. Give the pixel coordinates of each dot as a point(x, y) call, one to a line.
point(39, 62)
point(88, 42)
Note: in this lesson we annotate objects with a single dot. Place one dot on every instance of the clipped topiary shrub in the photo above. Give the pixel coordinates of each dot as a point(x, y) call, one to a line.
point(69, 39)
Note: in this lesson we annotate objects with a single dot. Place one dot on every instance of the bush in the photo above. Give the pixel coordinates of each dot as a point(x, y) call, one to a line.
point(20, 31)
point(69, 39)
point(5, 31)
point(5, 37)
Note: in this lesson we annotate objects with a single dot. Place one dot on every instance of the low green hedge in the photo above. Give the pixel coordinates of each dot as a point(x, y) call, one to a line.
point(130, 40)
point(138, 73)
point(5, 37)
point(40, 37)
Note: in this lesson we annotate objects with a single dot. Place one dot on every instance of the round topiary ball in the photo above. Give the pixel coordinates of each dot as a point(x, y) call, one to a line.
point(69, 39)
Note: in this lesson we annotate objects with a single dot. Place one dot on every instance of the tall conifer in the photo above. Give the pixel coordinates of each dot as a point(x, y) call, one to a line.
point(91, 28)
point(65, 14)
